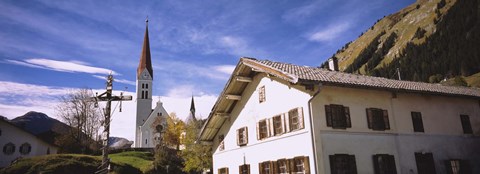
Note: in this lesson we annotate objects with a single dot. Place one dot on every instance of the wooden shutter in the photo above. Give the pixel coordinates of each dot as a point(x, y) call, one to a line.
point(328, 115)
point(282, 120)
point(300, 118)
point(246, 135)
point(273, 165)
point(417, 122)
point(287, 122)
point(385, 119)
point(271, 127)
point(306, 165)
point(261, 168)
point(347, 117)
point(238, 137)
point(369, 118)
point(267, 123)
point(352, 164)
point(258, 130)
point(467, 127)
point(332, 160)
point(465, 167)
point(290, 165)
point(392, 169)
point(376, 164)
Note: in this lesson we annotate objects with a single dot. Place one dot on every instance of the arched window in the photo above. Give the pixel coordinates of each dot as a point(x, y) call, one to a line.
point(25, 148)
point(143, 85)
point(145, 141)
point(146, 86)
point(9, 148)
point(146, 94)
point(143, 94)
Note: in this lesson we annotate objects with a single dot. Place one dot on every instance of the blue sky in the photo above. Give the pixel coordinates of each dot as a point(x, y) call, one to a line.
point(49, 47)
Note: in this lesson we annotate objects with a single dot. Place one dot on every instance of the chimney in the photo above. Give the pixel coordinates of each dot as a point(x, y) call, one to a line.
point(333, 64)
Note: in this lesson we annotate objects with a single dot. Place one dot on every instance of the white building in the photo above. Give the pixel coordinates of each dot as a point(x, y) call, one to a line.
point(146, 132)
point(276, 117)
point(18, 143)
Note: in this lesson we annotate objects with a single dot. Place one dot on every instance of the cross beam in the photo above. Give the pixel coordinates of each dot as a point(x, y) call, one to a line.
point(108, 97)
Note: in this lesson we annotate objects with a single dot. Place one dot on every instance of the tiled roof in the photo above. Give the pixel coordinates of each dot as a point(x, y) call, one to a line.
point(328, 77)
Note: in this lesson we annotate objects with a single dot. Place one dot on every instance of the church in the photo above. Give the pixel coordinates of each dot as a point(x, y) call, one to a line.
point(147, 129)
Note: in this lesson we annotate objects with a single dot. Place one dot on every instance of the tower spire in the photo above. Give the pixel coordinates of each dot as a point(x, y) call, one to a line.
point(145, 57)
point(191, 117)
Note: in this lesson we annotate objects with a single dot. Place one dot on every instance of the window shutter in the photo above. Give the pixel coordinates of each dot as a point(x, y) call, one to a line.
point(271, 127)
point(220, 171)
point(246, 135)
point(273, 167)
point(283, 123)
point(306, 165)
point(260, 168)
point(332, 160)
point(328, 115)
point(465, 167)
point(391, 164)
point(347, 116)
point(352, 164)
point(238, 137)
point(300, 118)
point(369, 118)
point(287, 123)
point(385, 119)
point(269, 134)
point(290, 165)
point(226, 169)
point(248, 168)
point(258, 130)
point(240, 169)
point(376, 164)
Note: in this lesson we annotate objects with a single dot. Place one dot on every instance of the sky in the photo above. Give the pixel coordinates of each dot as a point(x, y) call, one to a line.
point(51, 48)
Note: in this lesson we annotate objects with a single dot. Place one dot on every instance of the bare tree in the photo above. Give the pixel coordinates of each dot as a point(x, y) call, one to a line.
point(81, 114)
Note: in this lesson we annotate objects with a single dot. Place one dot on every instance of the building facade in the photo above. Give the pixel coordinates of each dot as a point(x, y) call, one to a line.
point(281, 118)
point(146, 132)
point(18, 143)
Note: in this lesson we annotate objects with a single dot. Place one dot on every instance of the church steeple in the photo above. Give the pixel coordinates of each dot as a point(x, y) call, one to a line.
point(145, 57)
point(191, 117)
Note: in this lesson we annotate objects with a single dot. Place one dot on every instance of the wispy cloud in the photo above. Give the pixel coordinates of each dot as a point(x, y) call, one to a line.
point(227, 69)
point(124, 81)
point(238, 46)
point(62, 66)
point(329, 33)
point(215, 72)
point(299, 14)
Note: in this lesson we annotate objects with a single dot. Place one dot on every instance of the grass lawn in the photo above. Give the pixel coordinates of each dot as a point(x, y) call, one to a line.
point(125, 162)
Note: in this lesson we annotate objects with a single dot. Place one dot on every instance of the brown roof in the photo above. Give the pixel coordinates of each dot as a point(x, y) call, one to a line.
point(145, 58)
point(248, 67)
point(335, 78)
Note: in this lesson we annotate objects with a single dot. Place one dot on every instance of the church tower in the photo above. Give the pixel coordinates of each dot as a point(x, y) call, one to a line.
point(144, 87)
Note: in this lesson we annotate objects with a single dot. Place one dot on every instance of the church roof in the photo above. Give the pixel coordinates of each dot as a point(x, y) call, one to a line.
point(305, 75)
point(145, 57)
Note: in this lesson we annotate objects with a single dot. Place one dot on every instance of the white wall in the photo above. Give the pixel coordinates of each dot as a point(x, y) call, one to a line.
point(147, 129)
point(441, 120)
point(12, 134)
point(280, 98)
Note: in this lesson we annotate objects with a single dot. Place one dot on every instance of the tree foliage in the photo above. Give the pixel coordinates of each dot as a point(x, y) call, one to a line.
point(83, 118)
point(197, 156)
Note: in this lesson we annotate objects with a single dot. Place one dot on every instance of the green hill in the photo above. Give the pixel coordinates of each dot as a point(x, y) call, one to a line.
point(427, 41)
point(125, 162)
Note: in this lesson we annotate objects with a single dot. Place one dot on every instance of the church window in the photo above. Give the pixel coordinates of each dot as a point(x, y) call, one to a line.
point(143, 85)
point(25, 148)
point(143, 94)
point(146, 94)
point(9, 148)
point(146, 86)
point(146, 141)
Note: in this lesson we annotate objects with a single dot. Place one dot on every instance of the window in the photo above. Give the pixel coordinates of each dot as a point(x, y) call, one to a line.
point(425, 163)
point(146, 86)
point(25, 148)
point(338, 116)
point(384, 164)
point(145, 141)
point(146, 94)
point(9, 148)
point(455, 166)
point(143, 85)
point(343, 164)
point(223, 170)
point(295, 117)
point(221, 146)
point(417, 122)
point(283, 167)
point(261, 94)
point(242, 136)
point(301, 165)
point(266, 167)
point(278, 125)
point(143, 94)
point(244, 169)
point(262, 129)
point(467, 127)
point(377, 119)
point(0, 132)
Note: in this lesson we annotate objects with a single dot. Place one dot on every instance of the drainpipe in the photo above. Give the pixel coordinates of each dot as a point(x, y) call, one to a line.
point(314, 146)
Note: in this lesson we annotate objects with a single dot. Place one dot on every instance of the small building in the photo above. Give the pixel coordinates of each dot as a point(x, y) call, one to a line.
point(19, 143)
point(275, 117)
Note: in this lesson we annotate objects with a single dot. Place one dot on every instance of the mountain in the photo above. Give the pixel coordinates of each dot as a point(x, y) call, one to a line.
point(41, 125)
point(430, 40)
point(119, 143)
